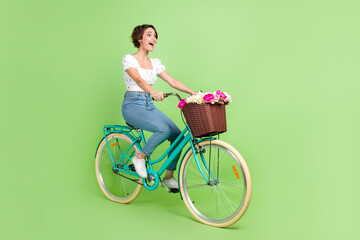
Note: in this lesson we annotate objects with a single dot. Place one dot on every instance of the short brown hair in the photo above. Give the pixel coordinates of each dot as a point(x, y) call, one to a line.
point(138, 33)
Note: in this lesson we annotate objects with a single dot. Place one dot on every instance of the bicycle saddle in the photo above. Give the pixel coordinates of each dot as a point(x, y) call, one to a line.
point(130, 125)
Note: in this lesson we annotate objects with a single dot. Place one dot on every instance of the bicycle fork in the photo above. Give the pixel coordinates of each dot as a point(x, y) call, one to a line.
point(198, 149)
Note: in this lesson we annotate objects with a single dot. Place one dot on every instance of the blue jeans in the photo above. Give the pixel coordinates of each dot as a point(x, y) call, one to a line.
point(138, 109)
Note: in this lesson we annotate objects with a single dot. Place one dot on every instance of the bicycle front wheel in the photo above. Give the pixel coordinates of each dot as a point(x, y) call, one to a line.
point(223, 198)
point(116, 187)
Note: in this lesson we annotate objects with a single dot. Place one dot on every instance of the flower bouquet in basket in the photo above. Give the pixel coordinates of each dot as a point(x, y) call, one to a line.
point(205, 112)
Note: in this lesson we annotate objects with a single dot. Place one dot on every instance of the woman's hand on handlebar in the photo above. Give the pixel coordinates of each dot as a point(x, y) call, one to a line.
point(157, 96)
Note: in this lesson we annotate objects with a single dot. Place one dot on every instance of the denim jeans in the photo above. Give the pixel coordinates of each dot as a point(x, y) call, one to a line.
point(138, 109)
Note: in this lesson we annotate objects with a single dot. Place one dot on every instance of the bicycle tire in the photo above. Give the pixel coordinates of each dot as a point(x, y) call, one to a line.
point(114, 186)
point(203, 200)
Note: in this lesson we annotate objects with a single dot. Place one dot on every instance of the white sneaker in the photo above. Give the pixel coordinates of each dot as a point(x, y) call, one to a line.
point(140, 168)
point(170, 183)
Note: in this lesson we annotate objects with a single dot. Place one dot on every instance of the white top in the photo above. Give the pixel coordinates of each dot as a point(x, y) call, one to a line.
point(149, 75)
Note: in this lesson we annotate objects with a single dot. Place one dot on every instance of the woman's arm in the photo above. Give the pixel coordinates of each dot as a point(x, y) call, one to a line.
point(175, 83)
point(134, 74)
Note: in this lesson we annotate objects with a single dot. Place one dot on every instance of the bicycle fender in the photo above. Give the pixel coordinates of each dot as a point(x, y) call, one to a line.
point(99, 144)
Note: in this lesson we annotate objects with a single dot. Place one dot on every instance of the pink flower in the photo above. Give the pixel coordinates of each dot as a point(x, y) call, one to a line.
point(216, 99)
point(221, 94)
point(208, 97)
point(182, 103)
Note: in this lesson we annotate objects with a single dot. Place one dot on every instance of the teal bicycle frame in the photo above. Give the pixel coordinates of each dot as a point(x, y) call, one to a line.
point(137, 136)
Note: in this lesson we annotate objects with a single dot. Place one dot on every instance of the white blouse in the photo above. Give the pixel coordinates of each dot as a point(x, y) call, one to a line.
point(149, 75)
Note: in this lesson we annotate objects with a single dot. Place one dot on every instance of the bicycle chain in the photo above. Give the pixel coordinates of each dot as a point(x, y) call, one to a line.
point(134, 180)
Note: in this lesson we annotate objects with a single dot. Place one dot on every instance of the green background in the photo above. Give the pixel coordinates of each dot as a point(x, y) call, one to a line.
point(292, 68)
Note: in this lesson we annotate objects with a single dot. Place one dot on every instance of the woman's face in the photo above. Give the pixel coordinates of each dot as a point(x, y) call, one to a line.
point(148, 39)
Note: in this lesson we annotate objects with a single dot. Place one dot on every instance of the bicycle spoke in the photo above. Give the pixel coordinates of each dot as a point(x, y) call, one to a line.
point(241, 186)
point(230, 189)
point(231, 203)
point(196, 172)
point(220, 200)
point(196, 186)
point(123, 183)
point(108, 163)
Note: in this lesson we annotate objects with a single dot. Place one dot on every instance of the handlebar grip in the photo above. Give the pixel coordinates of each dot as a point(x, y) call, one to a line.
point(169, 94)
point(164, 94)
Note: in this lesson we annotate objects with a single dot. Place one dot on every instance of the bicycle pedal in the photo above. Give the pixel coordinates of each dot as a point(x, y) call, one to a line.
point(173, 190)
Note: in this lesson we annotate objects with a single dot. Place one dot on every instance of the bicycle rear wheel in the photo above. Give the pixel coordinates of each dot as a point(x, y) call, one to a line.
point(224, 199)
point(115, 187)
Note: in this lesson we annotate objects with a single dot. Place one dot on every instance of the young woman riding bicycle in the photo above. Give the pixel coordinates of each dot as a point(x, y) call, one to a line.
point(140, 73)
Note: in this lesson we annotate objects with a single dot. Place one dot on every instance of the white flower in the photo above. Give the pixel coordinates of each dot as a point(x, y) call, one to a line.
point(196, 98)
point(228, 98)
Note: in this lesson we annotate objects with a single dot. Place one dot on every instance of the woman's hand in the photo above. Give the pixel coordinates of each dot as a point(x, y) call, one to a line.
point(158, 96)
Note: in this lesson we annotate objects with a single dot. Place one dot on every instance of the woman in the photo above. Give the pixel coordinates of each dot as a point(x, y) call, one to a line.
point(140, 74)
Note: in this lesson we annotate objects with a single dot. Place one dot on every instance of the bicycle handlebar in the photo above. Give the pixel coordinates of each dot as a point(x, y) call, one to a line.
point(170, 94)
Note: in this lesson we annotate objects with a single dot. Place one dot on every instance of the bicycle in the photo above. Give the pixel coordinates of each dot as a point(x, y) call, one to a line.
point(213, 177)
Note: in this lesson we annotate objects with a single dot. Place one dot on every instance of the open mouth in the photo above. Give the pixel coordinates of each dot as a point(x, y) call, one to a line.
point(151, 44)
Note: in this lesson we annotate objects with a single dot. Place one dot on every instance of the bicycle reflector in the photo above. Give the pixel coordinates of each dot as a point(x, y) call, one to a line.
point(236, 173)
point(115, 144)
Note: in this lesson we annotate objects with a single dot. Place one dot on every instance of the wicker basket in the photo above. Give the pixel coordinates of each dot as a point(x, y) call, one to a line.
point(205, 119)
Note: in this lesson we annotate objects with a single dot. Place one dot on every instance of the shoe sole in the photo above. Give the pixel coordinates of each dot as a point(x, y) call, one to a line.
point(172, 190)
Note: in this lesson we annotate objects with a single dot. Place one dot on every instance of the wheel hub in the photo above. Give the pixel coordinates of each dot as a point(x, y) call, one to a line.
point(212, 183)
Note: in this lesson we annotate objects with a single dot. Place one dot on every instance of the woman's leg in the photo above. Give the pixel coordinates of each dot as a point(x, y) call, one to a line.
point(144, 115)
point(149, 120)
point(174, 133)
